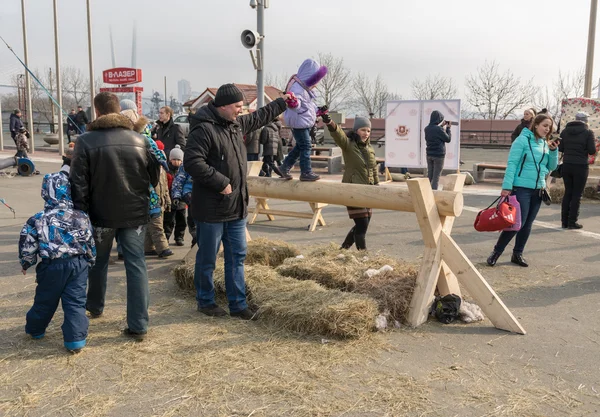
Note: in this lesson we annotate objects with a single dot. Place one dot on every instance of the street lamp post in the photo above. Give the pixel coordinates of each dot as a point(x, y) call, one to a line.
point(61, 133)
point(260, 51)
point(91, 59)
point(589, 62)
point(27, 80)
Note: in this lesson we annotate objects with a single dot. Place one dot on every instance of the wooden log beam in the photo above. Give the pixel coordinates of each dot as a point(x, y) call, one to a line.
point(449, 203)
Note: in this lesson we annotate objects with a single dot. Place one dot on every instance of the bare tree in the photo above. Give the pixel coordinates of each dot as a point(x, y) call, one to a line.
point(434, 88)
point(371, 96)
point(278, 81)
point(497, 95)
point(76, 85)
point(335, 90)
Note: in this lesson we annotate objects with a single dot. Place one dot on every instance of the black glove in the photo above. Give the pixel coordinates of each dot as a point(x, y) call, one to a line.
point(326, 118)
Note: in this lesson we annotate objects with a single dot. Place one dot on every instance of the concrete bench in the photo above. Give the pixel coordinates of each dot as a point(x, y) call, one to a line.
point(480, 167)
point(334, 163)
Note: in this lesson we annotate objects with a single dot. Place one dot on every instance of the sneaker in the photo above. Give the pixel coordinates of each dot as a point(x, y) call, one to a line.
point(137, 336)
point(37, 336)
point(310, 176)
point(575, 226)
point(150, 253)
point(165, 253)
point(285, 173)
point(213, 311)
point(179, 242)
point(120, 256)
point(245, 314)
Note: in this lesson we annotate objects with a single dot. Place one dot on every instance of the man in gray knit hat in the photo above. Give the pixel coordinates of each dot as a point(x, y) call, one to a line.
point(215, 157)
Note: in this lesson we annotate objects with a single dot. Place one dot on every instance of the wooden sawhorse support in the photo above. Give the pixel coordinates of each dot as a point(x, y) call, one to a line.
point(262, 207)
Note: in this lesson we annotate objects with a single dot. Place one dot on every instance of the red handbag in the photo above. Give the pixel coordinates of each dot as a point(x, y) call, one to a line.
point(497, 218)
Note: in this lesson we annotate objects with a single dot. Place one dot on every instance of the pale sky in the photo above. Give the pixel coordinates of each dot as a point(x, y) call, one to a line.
point(199, 40)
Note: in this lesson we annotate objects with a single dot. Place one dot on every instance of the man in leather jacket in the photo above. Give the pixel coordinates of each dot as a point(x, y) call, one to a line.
point(111, 171)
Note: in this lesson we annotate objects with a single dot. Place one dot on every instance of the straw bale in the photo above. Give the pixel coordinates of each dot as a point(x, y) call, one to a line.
point(290, 304)
point(557, 192)
point(262, 251)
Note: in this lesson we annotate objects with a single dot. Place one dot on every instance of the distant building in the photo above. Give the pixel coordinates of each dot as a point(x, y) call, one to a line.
point(184, 90)
point(248, 90)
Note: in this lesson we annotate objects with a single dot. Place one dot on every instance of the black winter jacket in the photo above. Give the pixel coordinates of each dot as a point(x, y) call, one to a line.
point(270, 139)
point(515, 134)
point(111, 171)
point(81, 118)
point(170, 134)
point(435, 136)
point(15, 125)
point(577, 143)
point(252, 142)
point(216, 157)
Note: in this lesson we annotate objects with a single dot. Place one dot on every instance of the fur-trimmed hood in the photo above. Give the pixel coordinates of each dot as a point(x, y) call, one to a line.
point(111, 121)
point(141, 124)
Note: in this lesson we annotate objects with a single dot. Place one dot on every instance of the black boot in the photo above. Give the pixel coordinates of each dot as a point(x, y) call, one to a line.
point(575, 226)
point(519, 260)
point(349, 241)
point(493, 258)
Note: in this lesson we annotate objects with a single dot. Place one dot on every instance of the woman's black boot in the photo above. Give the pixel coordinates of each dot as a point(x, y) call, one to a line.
point(519, 260)
point(491, 260)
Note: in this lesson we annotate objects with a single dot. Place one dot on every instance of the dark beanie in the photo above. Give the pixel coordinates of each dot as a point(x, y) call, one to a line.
point(228, 94)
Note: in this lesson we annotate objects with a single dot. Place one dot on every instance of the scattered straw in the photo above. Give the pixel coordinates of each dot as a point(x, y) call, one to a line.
point(262, 251)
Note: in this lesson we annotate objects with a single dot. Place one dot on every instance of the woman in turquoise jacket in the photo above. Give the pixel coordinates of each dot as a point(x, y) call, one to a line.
point(532, 156)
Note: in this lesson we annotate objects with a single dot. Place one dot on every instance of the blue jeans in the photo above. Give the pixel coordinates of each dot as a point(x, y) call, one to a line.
point(530, 202)
point(252, 157)
point(60, 280)
point(81, 129)
point(300, 151)
point(210, 236)
point(132, 242)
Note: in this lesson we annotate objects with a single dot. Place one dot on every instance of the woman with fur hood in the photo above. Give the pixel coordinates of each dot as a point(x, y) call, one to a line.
point(361, 168)
point(300, 116)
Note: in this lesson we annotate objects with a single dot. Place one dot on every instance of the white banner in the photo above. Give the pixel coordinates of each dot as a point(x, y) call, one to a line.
point(405, 137)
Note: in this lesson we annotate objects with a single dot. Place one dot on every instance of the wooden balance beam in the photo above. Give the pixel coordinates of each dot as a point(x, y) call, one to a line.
point(444, 263)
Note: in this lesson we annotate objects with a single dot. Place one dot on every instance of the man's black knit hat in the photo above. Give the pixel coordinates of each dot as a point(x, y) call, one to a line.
point(228, 94)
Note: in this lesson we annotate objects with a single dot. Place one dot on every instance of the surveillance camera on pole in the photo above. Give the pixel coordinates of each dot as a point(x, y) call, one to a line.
point(253, 4)
point(250, 38)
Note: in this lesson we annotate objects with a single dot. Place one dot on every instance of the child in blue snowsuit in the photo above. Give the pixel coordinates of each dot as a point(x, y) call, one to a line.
point(182, 188)
point(62, 237)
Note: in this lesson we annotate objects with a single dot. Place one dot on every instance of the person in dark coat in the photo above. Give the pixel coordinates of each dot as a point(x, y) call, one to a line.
point(270, 138)
point(215, 157)
point(15, 124)
point(167, 131)
point(577, 143)
point(71, 124)
point(253, 145)
point(112, 169)
point(81, 119)
point(436, 138)
point(528, 117)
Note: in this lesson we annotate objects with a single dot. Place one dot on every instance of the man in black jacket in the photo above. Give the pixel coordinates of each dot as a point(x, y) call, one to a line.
point(15, 124)
point(215, 157)
point(111, 171)
point(436, 138)
point(578, 142)
point(81, 119)
point(167, 131)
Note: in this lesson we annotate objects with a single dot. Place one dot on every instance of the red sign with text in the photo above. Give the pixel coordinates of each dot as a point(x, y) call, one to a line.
point(122, 76)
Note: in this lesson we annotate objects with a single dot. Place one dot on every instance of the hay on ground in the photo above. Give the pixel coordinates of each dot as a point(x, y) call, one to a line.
point(272, 253)
point(290, 304)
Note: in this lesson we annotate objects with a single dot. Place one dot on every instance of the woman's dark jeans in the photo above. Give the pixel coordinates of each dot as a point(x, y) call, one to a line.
point(574, 176)
point(530, 202)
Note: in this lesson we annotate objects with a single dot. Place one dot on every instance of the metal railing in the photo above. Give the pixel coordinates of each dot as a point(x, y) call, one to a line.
point(488, 138)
